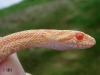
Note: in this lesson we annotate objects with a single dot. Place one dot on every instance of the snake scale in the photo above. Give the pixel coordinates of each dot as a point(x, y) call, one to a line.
point(44, 38)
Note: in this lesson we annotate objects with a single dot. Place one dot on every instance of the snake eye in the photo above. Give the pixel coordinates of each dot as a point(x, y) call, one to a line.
point(79, 36)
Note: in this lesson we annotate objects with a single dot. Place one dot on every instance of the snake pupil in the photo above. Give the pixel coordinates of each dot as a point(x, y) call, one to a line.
point(79, 36)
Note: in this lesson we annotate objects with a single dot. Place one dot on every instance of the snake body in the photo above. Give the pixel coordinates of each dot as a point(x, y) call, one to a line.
point(44, 38)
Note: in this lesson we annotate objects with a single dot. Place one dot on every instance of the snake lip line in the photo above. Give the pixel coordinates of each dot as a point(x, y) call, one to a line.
point(44, 38)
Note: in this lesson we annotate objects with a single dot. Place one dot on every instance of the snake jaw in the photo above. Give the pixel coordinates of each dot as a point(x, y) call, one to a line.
point(89, 41)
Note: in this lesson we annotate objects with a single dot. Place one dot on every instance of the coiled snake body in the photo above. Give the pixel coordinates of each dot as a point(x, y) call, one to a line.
point(52, 39)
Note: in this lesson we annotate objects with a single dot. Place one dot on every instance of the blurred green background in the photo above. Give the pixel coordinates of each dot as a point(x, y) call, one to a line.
point(83, 15)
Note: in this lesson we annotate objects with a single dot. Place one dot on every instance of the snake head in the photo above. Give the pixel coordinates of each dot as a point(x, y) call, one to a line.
point(83, 40)
point(77, 40)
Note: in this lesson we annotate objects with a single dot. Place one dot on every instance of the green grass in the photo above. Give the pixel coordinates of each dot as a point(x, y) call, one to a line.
point(62, 14)
point(22, 5)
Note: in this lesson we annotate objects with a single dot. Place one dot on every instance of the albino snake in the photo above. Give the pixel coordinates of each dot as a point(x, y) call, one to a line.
point(52, 39)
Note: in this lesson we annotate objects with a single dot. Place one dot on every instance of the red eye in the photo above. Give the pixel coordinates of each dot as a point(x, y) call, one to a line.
point(79, 36)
